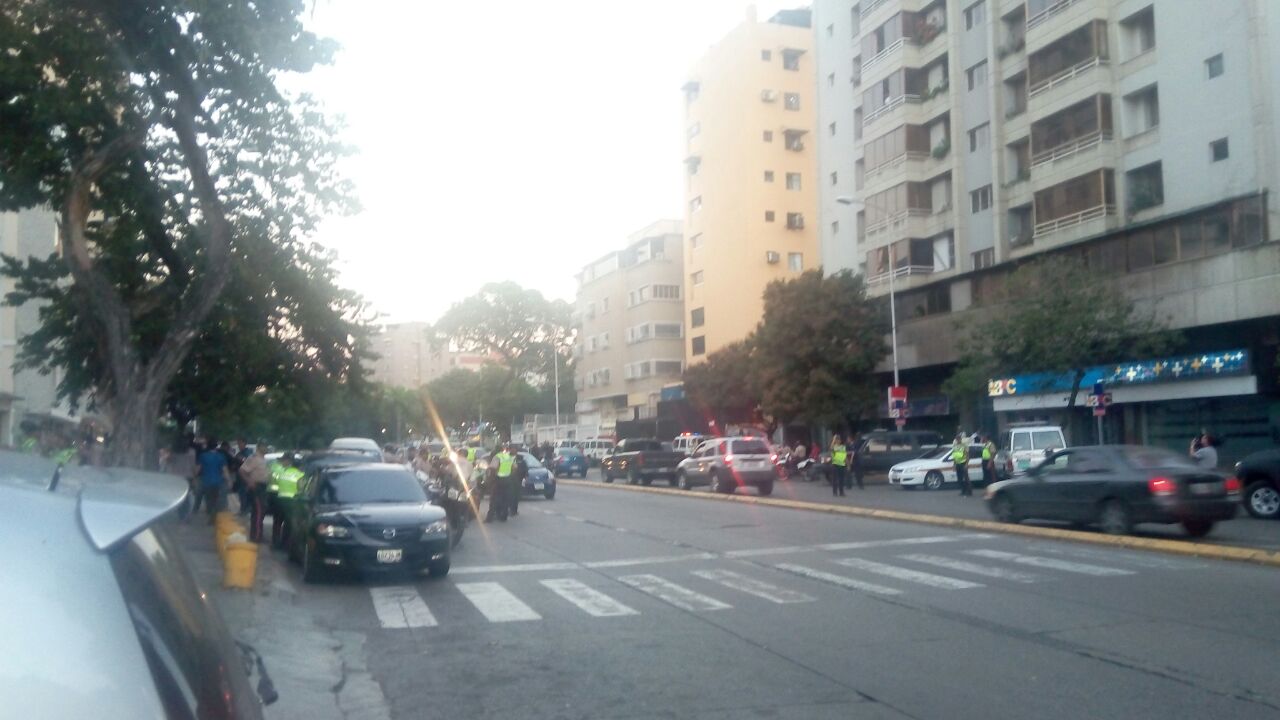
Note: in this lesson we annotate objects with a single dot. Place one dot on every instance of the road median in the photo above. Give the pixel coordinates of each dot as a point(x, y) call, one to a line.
point(1175, 547)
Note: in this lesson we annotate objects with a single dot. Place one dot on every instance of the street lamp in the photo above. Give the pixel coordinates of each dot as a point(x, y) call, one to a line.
point(893, 311)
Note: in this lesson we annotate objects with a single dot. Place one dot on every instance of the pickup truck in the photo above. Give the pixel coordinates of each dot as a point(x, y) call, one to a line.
point(640, 460)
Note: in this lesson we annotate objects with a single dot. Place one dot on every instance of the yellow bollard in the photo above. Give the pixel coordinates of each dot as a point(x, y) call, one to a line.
point(224, 517)
point(220, 534)
point(239, 565)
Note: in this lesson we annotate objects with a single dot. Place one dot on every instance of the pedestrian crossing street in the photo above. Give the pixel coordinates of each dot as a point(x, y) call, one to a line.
point(901, 572)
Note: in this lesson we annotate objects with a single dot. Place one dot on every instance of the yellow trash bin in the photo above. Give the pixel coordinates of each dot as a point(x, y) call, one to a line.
point(224, 517)
point(240, 564)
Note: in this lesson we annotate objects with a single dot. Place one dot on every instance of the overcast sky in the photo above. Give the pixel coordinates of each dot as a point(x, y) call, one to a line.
point(505, 140)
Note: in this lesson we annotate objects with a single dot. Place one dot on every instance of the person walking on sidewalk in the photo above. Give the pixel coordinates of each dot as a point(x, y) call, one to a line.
point(255, 476)
point(960, 458)
point(839, 457)
point(214, 476)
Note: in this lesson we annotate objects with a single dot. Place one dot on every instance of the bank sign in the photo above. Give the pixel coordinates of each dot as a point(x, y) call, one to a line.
point(1226, 363)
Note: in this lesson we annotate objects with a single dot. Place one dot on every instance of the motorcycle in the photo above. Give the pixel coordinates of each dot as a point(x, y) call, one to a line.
point(446, 491)
point(789, 467)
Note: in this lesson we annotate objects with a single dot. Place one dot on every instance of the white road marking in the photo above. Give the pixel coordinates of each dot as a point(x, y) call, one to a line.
point(966, 566)
point(401, 607)
point(681, 597)
point(591, 601)
point(575, 518)
point(840, 580)
point(909, 575)
point(752, 586)
point(496, 603)
point(657, 560)
point(1139, 560)
point(905, 541)
point(756, 552)
point(1050, 563)
point(528, 567)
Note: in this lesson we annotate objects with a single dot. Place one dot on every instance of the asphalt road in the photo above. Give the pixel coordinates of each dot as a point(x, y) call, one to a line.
point(607, 604)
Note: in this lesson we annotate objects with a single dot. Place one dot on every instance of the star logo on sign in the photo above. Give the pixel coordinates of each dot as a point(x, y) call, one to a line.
point(1177, 368)
point(1197, 363)
point(1157, 368)
point(1217, 364)
point(1133, 373)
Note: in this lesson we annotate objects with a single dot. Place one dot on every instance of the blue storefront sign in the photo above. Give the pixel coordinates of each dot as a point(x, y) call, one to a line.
point(1226, 363)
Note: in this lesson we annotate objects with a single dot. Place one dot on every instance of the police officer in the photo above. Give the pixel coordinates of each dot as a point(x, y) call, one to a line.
point(30, 444)
point(988, 461)
point(518, 474)
point(960, 458)
point(286, 488)
point(502, 465)
point(839, 457)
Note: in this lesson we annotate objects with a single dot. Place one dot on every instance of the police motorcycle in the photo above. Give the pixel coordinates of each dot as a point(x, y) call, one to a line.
point(448, 492)
point(790, 467)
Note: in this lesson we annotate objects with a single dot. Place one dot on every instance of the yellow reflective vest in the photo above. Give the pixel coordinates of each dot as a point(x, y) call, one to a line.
point(960, 454)
point(471, 455)
point(287, 484)
point(839, 455)
point(505, 461)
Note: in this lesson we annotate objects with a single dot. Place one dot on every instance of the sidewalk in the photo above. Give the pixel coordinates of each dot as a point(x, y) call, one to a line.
point(321, 674)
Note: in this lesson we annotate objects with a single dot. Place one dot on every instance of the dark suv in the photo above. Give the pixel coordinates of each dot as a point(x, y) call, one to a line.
point(1260, 475)
point(102, 617)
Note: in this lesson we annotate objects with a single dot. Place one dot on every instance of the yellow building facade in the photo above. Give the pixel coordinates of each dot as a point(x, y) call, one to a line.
point(751, 200)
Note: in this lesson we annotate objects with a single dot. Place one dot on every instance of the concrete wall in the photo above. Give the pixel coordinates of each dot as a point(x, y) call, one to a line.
point(836, 29)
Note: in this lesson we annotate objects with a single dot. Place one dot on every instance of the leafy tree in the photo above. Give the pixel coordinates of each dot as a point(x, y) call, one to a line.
point(157, 133)
point(817, 347)
point(1059, 318)
point(462, 396)
point(725, 385)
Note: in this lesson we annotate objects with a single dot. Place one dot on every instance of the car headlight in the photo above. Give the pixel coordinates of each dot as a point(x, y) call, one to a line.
point(332, 531)
point(439, 527)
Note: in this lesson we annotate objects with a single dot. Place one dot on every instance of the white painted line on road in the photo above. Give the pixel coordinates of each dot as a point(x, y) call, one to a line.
point(527, 567)
point(839, 580)
point(909, 575)
point(497, 603)
point(757, 552)
point(905, 541)
point(752, 586)
point(658, 560)
point(681, 597)
point(589, 600)
point(401, 607)
point(966, 566)
point(1152, 561)
point(575, 518)
point(1050, 563)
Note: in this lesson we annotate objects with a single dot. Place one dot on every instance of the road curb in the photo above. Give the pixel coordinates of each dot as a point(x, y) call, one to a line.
point(1174, 547)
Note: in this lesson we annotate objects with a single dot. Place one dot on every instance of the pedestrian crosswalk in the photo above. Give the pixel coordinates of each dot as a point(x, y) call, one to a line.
point(705, 586)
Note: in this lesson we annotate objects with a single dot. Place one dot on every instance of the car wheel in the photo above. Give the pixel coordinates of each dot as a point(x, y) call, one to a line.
point(766, 488)
point(1115, 518)
point(607, 477)
point(1197, 528)
point(934, 480)
point(1004, 510)
point(550, 494)
point(438, 568)
point(682, 481)
point(718, 485)
point(310, 565)
point(1262, 500)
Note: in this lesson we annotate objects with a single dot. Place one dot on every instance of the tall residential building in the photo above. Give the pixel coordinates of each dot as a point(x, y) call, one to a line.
point(1139, 135)
point(407, 360)
point(751, 197)
point(630, 326)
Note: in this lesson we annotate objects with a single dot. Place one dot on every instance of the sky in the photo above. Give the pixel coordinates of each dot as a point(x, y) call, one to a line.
point(505, 140)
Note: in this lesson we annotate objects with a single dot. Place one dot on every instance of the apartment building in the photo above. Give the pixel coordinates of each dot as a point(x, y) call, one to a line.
point(407, 360)
point(629, 313)
point(1139, 135)
point(751, 191)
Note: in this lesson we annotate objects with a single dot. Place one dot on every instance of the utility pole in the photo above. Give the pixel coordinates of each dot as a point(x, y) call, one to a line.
point(555, 363)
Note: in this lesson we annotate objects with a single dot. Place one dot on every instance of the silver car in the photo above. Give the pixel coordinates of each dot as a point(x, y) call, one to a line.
point(102, 617)
point(727, 464)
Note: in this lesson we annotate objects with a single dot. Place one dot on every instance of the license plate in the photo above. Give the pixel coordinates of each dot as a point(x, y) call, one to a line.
point(751, 463)
point(390, 555)
point(538, 486)
point(1206, 488)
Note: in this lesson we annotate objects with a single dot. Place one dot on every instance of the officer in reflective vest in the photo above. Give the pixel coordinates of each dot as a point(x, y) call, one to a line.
point(988, 461)
point(839, 458)
point(502, 464)
point(286, 487)
point(471, 455)
point(960, 458)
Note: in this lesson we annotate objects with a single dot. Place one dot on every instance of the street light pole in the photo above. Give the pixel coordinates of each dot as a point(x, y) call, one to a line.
point(555, 364)
point(893, 305)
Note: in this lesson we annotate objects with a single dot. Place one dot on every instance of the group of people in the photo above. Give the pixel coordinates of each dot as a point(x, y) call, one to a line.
point(502, 479)
point(847, 471)
point(217, 471)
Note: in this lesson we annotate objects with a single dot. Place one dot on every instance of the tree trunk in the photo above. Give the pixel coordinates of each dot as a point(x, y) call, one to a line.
point(1075, 390)
point(134, 413)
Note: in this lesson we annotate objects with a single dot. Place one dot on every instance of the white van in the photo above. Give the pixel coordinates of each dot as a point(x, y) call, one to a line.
point(595, 449)
point(687, 442)
point(1023, 446)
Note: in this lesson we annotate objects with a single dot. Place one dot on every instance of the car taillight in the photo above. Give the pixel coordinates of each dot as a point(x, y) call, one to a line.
point(1162, 486)
point(1232, 485)
point(728, 459)
point(773, 457)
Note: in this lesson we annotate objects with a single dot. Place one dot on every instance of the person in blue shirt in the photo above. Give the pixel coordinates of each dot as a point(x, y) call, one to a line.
point(212, 464)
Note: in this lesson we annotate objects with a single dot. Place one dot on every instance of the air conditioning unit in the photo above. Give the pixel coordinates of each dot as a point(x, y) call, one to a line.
point(772, 257)
point(769, 95)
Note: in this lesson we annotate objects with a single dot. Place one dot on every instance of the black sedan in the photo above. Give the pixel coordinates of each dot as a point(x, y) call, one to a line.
point(1117, 487)
point(368, 518)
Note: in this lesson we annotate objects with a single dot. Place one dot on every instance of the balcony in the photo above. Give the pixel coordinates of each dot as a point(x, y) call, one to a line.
point(912, 222)
point(1086, 203)
point(869, 7)
point(1052, 10)
point(890, 106)
point(1053, 155)
point(1069, 221)
point(1065, 76)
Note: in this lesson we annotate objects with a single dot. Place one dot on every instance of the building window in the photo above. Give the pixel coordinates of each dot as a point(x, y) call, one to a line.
point(832, 129)
point(831, 30)
point(791, 101)
point(1215, 66)
point(795, 221)
point(793, 181)
point(795, 262)
point(1218, 150)
point(768, 216)
point(666, 292)
point(668, 331)
point(695, 241)
point(980, 137)
point(699, 345)
point(831, 79)
point(835, 178)
point(604, 305)
point(791, 60)
point(1140, 32)
point(668, 367)
point(768, 136)
point(693, 130)
point(835, 227)
point(1143, 110)
point(768, 176)
point(977, 75)
point(1146, 187)
point(696, 278)
point(984, 258)
point(766, 55)
point(980, 199)
point(975, 15)
point(697, 317)
point(695, 204)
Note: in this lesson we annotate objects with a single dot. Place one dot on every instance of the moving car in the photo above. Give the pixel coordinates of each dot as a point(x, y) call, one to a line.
point(354, 443)
point(641, 461)
point(103, 618)
point(687, 442)
point(1023, 446)
point(569, 461)
point(935, 469)
point(539, 481)
point(596, 449)
point(1117, 487)
point(880, 450)
point(367, 518)
point(1260, 475)
point(727, 464)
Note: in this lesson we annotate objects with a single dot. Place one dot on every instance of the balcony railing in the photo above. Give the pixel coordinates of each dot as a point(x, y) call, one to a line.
point(1066, 150)
point(900, 272)
point(894, 163)
point(870, 7)
point(893, 46)
point(898, 218)
point(1046, 13)
point(888, 107)
point(1067, 221)
point(1065, 76)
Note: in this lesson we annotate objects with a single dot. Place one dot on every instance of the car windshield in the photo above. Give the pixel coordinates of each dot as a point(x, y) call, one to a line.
point(750, 447)
point(1148, 458)
point(531, 461)
point(939, 454)
point(371, 486)
point(1045, 439)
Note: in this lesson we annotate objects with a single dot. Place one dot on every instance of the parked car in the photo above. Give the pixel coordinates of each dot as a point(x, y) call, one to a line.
point(569, 461)
point(687, 442)
point(935, 470)
point(727, 464)
point(355, 443)
point(103, 616)
point(539, 481)
point(1023, 446)
point(367, 518)
point(1117, 487)
point(1260, 475)
point(596, 449)
point(641, 461)
point(882, 449)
